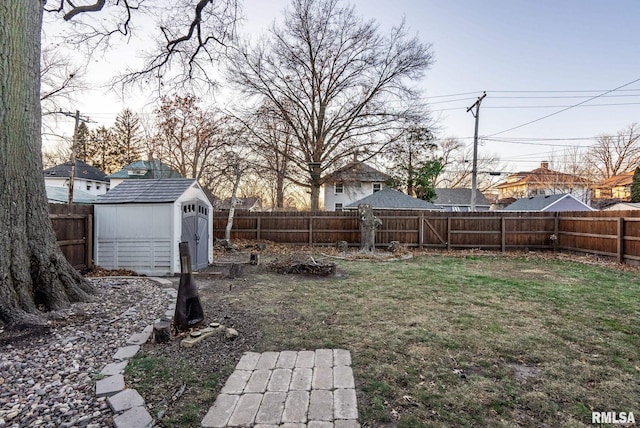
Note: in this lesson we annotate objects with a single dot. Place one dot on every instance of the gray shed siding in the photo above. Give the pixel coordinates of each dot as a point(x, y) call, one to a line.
point(138, 237)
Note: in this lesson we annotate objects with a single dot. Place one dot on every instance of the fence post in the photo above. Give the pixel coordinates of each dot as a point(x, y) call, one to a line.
point(421, 230)
point(556, 231)
point(88, 245)
point(448, 233)
point(311, 230)
point(258, 228)
point(620, 240)
point(503, 233)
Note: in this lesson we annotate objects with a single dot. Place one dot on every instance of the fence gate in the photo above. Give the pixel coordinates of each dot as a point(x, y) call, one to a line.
point(195, 231)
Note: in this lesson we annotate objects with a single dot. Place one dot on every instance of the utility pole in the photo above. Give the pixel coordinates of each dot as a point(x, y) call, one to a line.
point(474, 168)
point(74, 146)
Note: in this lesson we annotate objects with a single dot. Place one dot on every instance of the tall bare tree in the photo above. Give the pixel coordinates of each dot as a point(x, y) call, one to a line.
point(614, 154)
point(33, 272)
point(337, 82)
point(272, 145)
point(188, 137)
point(457, 164)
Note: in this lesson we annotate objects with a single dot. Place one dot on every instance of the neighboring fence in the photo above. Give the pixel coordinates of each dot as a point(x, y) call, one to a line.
point(611, 234)
point(73, 227)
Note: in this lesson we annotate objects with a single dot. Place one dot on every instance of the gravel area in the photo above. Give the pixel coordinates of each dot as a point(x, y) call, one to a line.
point(47, 375)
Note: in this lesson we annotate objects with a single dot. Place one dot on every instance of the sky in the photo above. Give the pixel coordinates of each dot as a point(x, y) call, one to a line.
point(533, 58)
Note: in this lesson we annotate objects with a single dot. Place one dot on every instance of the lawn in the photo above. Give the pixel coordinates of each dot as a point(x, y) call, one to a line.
point(464, 341)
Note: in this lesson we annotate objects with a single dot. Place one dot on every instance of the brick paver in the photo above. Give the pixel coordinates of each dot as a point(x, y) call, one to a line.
point(305, 389)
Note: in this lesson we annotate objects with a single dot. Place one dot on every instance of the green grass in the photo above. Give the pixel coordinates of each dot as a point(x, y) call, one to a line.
point(442, 341)
point(162, 378)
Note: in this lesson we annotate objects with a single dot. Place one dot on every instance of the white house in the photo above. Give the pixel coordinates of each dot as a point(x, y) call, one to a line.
point(351, 183)
point(139, 224)
point(89, 182)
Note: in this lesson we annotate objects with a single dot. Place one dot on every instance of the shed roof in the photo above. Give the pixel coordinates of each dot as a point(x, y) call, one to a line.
point(83, 170)
point(461, 196)
point(541, 203)
point(391, 199)
point(147, 191)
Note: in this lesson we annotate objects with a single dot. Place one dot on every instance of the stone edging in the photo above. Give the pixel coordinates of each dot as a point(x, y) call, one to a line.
point(127, 404)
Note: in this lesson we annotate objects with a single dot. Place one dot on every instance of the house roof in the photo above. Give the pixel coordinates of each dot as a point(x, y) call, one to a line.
point(60, 195)
point(542, 176)
point(624, 179)
point(147, 191)
point(241, 203)
point(544, 202)
point(624, 206)
point(146, 169)
point(459, 197)
point(391, 199)
point(356, 171)
point(83, 171)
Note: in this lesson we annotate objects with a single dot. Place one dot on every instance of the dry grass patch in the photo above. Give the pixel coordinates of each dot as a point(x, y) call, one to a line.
point(468, 341)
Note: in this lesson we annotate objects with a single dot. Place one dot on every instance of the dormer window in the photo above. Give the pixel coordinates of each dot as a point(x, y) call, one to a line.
point(339, 188)
point(377, 187)
point(137, 171)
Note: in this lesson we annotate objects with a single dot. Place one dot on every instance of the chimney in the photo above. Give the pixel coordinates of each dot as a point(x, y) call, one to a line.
point(544, 165)
point(355, 155)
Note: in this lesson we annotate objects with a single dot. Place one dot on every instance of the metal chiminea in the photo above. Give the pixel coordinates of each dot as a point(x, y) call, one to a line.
point(189, 312)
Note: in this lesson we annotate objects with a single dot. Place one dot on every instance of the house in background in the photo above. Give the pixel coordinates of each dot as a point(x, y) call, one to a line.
point(88, 183)
point(549, 203)
point(143, 170)
point(616, 187)
point(246, 204)
point(391, 199)
point(624, 206)
point(459, 200)
point(542, 182)
point(350, 184)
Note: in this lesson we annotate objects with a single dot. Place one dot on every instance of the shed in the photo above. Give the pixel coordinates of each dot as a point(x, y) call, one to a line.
point(140, 223)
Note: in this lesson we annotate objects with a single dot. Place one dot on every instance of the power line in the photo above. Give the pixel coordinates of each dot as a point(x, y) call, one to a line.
point(565, 109)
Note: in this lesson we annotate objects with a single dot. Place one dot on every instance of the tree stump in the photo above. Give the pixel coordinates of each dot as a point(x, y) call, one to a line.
point(161, 332)
point(394, 246)
point(369, 223)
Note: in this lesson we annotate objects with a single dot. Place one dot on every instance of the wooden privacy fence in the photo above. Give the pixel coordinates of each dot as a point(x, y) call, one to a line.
point(73, 227)
point(611, 234)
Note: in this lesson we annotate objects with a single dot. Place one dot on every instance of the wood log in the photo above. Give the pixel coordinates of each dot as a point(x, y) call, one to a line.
point(161, 332)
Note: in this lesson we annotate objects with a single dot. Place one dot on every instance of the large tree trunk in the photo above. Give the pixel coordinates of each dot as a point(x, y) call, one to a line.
point(34, 275)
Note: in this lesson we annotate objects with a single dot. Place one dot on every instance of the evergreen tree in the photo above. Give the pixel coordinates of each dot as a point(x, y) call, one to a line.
point(425, 181)
point(127, 139)
point(635, 186)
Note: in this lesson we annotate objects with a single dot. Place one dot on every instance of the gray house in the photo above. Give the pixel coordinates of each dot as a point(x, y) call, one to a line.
point(391, 199)
point(460, 200)
point(139, 224)
point(549, 203)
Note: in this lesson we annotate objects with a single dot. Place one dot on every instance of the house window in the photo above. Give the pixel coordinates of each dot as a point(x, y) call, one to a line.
point(97, 187)
point(377, 187)
point(88, 186)
point(339, 187)
point(338, 207)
